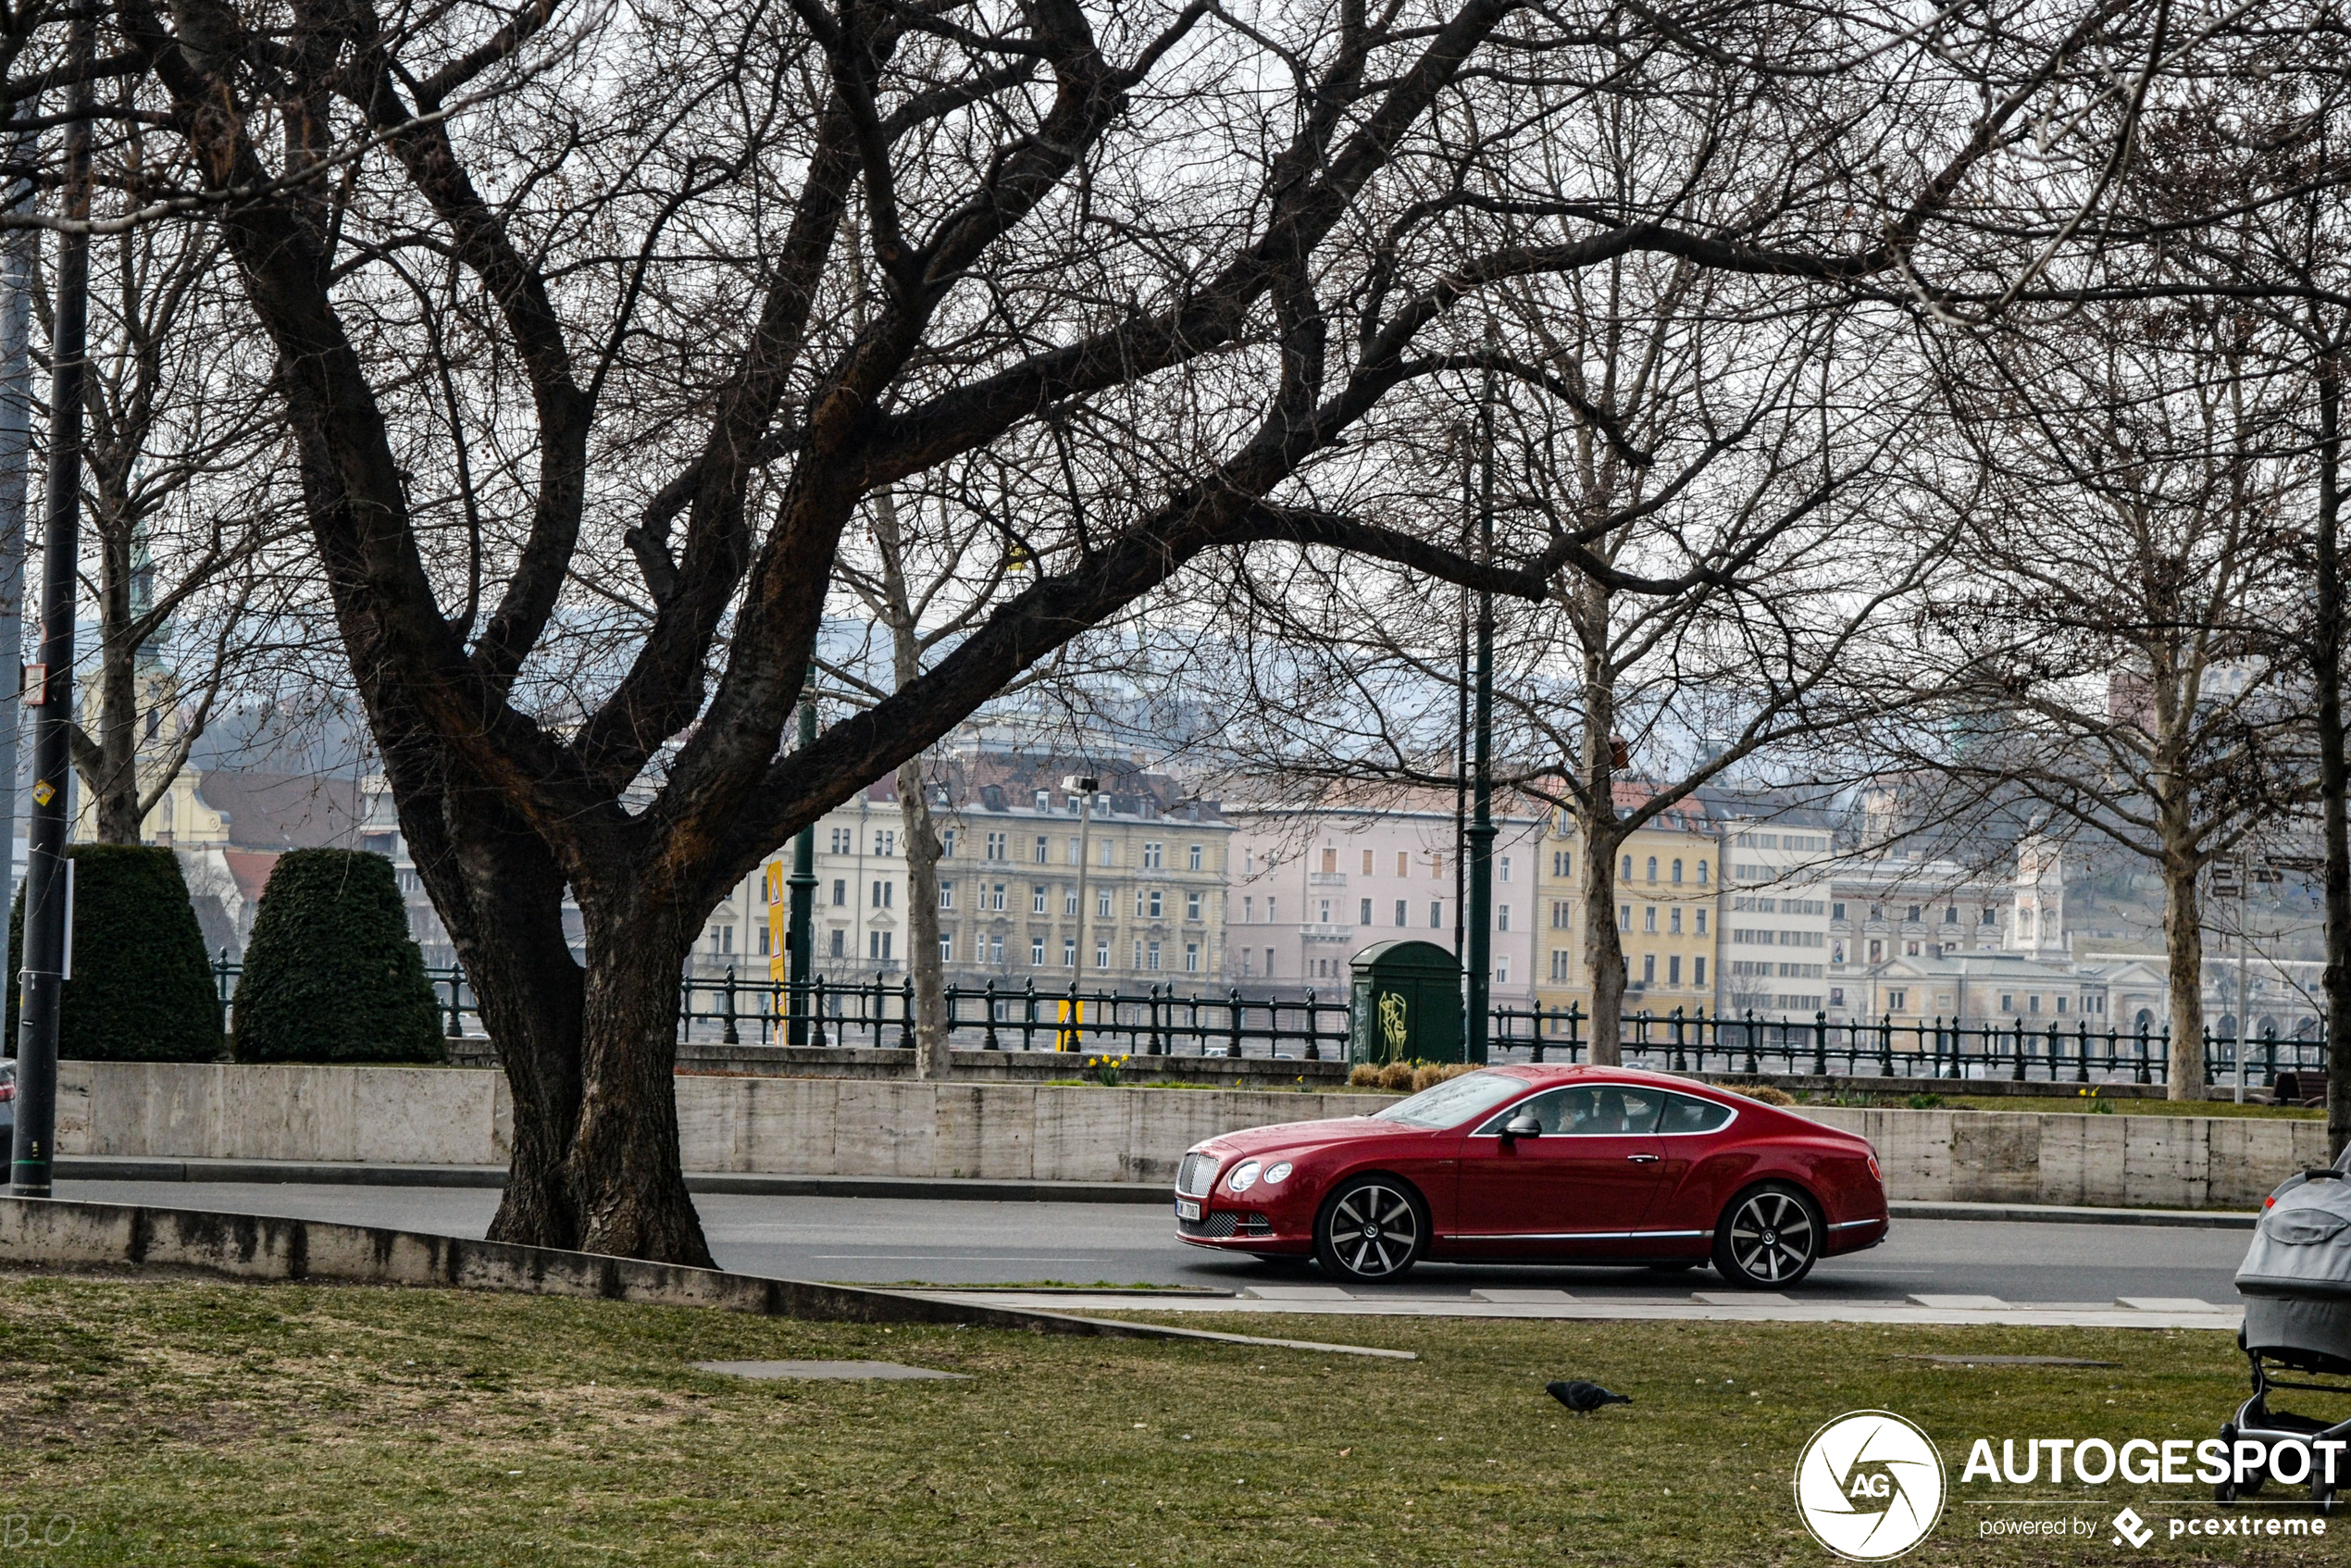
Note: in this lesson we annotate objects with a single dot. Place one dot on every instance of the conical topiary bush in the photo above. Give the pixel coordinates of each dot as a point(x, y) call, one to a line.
point(142, 988)
point(330, 974)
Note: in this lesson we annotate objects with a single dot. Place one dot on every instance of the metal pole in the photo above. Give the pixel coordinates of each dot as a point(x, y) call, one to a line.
point(2245, 916)
point(1084, 853)
point(47, 886)
point(20, 252)
point(799, 943)
point(1481, 829)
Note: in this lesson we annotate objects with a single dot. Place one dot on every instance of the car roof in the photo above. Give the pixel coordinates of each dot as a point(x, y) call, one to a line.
point(1551, 1074)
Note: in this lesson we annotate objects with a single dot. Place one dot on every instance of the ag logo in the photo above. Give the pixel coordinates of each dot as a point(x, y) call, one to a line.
point(1869, 1485)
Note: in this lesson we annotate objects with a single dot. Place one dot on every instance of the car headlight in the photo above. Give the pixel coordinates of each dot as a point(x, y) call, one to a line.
point(1277, 1175)
point(1244, 1177)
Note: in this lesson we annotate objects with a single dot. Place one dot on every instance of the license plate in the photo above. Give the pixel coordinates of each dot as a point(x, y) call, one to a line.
point(1186, 1209)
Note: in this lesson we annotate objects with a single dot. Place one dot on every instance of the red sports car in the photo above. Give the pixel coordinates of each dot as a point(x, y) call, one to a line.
point(1543, 1165)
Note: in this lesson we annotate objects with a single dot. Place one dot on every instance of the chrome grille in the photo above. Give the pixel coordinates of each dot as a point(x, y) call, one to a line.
point(1196, 1175)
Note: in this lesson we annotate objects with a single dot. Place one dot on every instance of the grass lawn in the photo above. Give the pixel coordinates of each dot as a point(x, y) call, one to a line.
point(214, 1424)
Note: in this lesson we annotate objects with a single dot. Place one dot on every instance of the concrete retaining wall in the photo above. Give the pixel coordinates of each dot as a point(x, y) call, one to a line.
point(1022, 1132)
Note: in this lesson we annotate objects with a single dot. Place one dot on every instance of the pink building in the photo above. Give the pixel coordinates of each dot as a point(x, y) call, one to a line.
point(1314, 882)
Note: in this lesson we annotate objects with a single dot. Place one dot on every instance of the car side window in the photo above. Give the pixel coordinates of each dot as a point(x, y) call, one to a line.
point(1683, 1114)
point(1600, 1110)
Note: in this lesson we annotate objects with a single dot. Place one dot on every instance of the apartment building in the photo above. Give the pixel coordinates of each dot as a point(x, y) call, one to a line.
point(1316, 882)
point(1776, 929)
point(1032, 886)
point(1667, 908)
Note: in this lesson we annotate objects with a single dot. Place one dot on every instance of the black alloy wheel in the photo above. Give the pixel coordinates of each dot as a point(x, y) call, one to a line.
point(1770, 1237)
point(1370, 1230)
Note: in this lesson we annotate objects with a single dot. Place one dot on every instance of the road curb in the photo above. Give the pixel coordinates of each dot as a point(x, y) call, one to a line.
point(335, 1173)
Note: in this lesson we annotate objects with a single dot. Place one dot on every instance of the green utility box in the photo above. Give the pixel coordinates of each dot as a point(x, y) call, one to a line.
point(1407, 1000)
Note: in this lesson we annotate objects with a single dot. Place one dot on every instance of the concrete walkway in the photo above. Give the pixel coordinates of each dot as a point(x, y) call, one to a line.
point(1702, 1306)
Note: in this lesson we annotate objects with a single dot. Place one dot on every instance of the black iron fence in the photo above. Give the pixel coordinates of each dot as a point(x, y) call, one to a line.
point(879, 1013)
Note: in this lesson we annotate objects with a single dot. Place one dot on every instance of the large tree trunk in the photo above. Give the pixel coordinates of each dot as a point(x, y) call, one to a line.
point(626, 1166)
point(1603, 949)
point(921, 922)
point(110, 763)
point(2335, 773)
point(2184, 947)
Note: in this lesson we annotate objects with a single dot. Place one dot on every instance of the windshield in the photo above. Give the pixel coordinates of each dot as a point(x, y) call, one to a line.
point(1454, 1101)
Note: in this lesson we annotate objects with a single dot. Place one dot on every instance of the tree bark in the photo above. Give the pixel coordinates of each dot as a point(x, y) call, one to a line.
point(624, 1165)
point(1603, 949)
point(923, 962)
point(2334, 774)
point(2184, 947)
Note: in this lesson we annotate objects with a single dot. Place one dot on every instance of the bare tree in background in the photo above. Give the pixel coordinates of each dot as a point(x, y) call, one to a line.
point(2125, 565)
point(190, 525)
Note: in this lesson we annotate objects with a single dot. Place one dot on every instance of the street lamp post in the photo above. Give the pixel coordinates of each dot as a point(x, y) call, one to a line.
point(48, 882)
point(1083, 786)
point(800, 946)
point(1481, 828)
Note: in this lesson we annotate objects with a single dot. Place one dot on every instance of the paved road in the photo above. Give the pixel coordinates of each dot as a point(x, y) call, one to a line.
point(962, 1242)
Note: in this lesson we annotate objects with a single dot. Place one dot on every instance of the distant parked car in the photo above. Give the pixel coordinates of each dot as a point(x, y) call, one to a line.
point(1543, 1165)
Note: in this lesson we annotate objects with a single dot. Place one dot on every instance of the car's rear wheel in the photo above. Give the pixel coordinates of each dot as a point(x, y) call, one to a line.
point(1371, 1228)
point(1769, 1238)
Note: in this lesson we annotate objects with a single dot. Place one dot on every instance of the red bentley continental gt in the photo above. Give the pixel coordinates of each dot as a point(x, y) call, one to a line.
point(1543, 1165)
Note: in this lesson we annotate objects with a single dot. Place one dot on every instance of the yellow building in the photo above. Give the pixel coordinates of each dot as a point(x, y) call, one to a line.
point(1668, 894)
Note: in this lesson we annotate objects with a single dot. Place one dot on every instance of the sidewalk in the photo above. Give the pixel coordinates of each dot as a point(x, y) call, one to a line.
point(752, 1184)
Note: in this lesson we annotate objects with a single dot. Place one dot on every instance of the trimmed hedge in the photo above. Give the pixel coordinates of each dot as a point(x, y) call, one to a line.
point(330, 974)
point(142, 988)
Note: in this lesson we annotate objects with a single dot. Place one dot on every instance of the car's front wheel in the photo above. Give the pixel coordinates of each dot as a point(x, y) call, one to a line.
point(1371, 1228)
point(1770, 1237)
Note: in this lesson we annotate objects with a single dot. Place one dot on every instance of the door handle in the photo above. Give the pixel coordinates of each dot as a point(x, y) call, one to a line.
point(1643, 1159)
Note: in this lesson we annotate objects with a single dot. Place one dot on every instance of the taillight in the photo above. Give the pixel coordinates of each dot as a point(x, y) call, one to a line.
point(1873, 1174)
point(7, 1093)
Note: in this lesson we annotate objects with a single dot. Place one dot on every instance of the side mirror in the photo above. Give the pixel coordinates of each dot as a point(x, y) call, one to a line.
point(1524, 1125)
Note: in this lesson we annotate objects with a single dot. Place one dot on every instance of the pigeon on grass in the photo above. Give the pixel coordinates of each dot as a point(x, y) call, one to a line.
point(1585, 1398)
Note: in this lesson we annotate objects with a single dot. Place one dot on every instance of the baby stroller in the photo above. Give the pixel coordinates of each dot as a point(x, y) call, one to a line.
point(2296, 1282)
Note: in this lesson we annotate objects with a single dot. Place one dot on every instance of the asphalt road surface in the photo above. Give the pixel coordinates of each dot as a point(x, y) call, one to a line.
point(952, 1241)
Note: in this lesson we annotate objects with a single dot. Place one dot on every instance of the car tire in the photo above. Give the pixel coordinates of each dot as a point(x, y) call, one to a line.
point(1769, 1238)
point(1371, 1230)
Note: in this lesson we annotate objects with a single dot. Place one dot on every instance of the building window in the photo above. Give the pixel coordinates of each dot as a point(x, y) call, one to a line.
point(996, 952)
point(1191, 958)
point(1077, 852)
point(1898, 1002)
point(1101, 904)
point(1652, 868)
point(1363, 910)
point(1069, 952)
point(1502, 918)
point(1559, 908)
point(1506, 868)
point(1913, 916)
point(1677, 871)
point(1626, 873)
point(1403, 867)
point(883, 895)
point(1559, 964)
point(1400, 913)
point(946, 895)
point(1037, 953)
point(842, 840)
point(1105, 852)
point(1322, 909)
point(1330, 862)
point(947, 844)
point(1563, 862)
point(1673, 920)
point(996, 898)
point(1192, 906)
point(1837, 912)
point(1153, 949)
point(764, 949)
point(1877, 952)
point(1701, 874)
point(1101, 955)
point(877, 945)
point(1037, 900)
point(1502, 969)
point(1674, 970)
point(885, 843)
point(1951, 914)
point(1249, 958)
point(1649, 968)
point(1437, 866)
point(1248, 912)
point(1990, 917)
point(840, 893)
point(1367, 868)
point(995, 846)
point(1198, 858)
point(1697, 971)
point(840, 937)
point(1436, 917)
point(2033, 1004)
point(2060, 1003)
point(1624, 916)
point(1069, 903)
point(722, 939)
point(1044, 850)
point(946, 947)
point(1269, 962)
point(1649, 917)
point(1157, 897)
point(1909, 950)
point(1151, 853)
